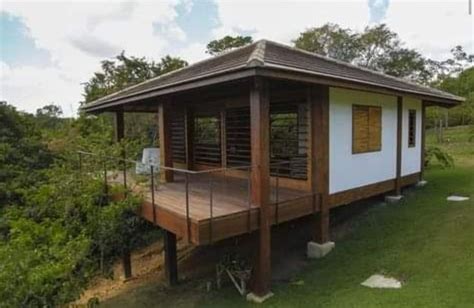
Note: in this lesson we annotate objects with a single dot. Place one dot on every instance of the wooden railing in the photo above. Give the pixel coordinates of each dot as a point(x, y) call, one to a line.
point(154, 169)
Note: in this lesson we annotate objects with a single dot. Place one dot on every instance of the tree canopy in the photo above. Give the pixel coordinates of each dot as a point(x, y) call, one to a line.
point(126, 71)
point(379, 48)
point(228, 42)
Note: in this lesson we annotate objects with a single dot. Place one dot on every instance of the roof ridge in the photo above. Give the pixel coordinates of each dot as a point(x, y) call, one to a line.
point(257, 57)
point(171, 73)
point(350, 65)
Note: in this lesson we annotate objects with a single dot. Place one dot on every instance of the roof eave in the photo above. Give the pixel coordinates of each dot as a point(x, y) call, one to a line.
point(307, 76)
point(190, 84)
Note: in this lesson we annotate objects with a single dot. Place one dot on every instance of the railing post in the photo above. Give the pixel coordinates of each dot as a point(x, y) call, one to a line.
point(124, 173)
point(152, 187)
point(188, 226)
point(106, 189)
point(210, 208)
point(80, 167)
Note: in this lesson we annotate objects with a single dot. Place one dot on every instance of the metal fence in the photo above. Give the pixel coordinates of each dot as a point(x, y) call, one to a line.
point(120, 170)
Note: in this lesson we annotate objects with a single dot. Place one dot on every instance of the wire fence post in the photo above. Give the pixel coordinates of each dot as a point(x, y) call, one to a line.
point(210, 208)
point(106, 189)
point(80, 167)
point(124, 172)
point(152, 187)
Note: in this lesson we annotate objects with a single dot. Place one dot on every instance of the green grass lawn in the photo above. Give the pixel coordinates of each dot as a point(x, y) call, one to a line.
point(424, 241)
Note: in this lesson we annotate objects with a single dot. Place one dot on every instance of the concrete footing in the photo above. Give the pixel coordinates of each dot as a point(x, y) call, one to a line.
point(254, 298)
point(393, 199)
point(421, 183)
point(316, 251)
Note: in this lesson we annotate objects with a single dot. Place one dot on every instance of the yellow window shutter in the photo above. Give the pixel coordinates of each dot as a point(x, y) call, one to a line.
point(360, 129)
point(375, 129)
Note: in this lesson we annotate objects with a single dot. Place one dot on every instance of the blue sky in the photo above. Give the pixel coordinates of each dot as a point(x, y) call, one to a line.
point(47, 49)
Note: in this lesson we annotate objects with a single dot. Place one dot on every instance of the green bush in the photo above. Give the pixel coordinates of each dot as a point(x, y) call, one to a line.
point(433, 152)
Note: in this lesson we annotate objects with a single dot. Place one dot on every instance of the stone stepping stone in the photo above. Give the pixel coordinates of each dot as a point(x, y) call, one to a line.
point(457, 198)
point(381, 282)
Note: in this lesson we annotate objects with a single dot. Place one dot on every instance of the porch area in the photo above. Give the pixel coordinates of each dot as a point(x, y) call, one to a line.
point(206, 206)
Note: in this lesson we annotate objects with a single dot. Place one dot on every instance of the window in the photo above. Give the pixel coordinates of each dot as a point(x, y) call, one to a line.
point(366, 129)
point(411, 128)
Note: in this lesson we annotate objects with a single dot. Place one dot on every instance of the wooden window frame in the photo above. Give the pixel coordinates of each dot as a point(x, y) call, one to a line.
point(369, 150)
point(411, 128)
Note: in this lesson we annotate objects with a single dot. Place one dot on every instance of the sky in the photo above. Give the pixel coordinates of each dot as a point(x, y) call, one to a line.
point(49, 49)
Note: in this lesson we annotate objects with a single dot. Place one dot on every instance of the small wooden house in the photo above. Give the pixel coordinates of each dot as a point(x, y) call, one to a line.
point(268, 133)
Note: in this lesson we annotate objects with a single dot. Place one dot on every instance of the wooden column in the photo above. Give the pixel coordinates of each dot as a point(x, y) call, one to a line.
point(318, 96)
point(171, 257)
point(260, 181)
point(423, 131)
point(164, 126)
point(398, 179)
point(189, 137)
point(119, 135)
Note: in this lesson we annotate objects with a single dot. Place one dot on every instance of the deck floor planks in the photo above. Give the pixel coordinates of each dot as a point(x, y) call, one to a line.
point(229, 195)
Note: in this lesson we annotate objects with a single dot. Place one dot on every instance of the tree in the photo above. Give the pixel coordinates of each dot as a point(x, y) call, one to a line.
point(169, 64)
point(330, 40)
point(126, 71)
point(228, 42)
point(377, 48)
point(21, 151)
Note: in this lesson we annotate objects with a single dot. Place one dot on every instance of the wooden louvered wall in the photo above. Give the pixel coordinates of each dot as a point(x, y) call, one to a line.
point(289, 139)
point(238, 136)
point(207, 138)
point(178, 141)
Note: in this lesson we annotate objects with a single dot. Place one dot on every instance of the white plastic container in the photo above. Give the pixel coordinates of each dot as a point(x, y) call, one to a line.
point(150, 156)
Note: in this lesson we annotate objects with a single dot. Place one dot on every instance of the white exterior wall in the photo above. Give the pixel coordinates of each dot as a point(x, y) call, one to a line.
point(347, 170)
point(411, 157)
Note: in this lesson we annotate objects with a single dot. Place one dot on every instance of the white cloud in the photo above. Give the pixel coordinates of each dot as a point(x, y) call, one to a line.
point(432, 27)
point(193, 52)
point(284, 20)
point(30, 88)
point(78, 36)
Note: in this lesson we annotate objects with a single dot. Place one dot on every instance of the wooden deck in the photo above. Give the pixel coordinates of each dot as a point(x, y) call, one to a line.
point(232, 214)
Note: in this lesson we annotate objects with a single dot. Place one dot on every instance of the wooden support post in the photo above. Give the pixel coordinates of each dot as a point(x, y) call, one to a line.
point(164, 126)
point(171, 258)
point(318, 96)
point(189, 137)
point(398, 179)
point(260, 181)
point(119, 135)
point(423, 141)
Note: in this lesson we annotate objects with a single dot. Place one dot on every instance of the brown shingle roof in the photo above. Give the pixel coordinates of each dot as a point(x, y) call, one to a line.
point(270, 55)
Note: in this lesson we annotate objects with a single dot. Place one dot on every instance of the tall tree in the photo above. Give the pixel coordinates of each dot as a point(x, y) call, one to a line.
point(330, 40)
point(228, 42)
point(126, 71)
point(377, 48)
